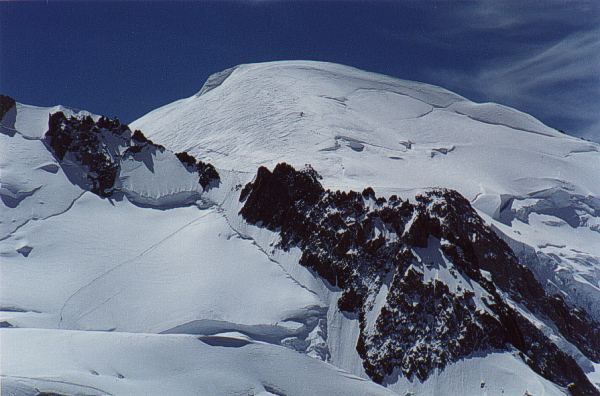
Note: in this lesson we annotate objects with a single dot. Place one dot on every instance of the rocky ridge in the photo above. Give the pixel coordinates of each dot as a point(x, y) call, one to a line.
point(357, 241)
point(97, 149)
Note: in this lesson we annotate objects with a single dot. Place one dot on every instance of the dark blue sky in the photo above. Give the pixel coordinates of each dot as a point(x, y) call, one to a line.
point(125, 59)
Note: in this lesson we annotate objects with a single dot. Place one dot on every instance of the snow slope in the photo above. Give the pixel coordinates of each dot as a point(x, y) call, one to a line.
point(357, 129)
point(36, 185)
point(33, 185)
point(71, 260)
point(100, 363)
point(182, 270)
point(167, 290)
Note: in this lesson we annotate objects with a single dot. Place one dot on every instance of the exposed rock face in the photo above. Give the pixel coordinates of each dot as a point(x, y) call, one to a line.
point(207, 174)
point(8, 114)
point(93, 151)
point(6, 103)
point(366, 245)
point(82, 140)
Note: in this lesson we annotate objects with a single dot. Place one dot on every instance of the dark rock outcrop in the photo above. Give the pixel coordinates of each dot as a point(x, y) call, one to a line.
point(207, 174)
point(8, 115)
point(84, 141)
point(6, 103)
point(356, 242)
point(93, 150)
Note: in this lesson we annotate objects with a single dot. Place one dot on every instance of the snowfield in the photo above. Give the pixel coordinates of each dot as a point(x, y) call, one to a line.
point(168, 290)
point(102, 277)
point(361, 129)
point(33, 184)
point(101, 363)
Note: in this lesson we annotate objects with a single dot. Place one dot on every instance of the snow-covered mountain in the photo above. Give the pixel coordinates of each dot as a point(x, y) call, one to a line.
point(292, 228)
point(361, 129)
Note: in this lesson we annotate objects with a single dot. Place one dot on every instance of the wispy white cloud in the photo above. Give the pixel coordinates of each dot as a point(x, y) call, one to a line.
point(556, 79)
point(515, 14)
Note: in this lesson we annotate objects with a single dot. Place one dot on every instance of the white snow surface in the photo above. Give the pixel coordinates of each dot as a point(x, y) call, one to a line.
point(361, 129)
point(153, 295)
point(159, 179)
point(101, 363)
point(32, 184)
point(139, 270)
